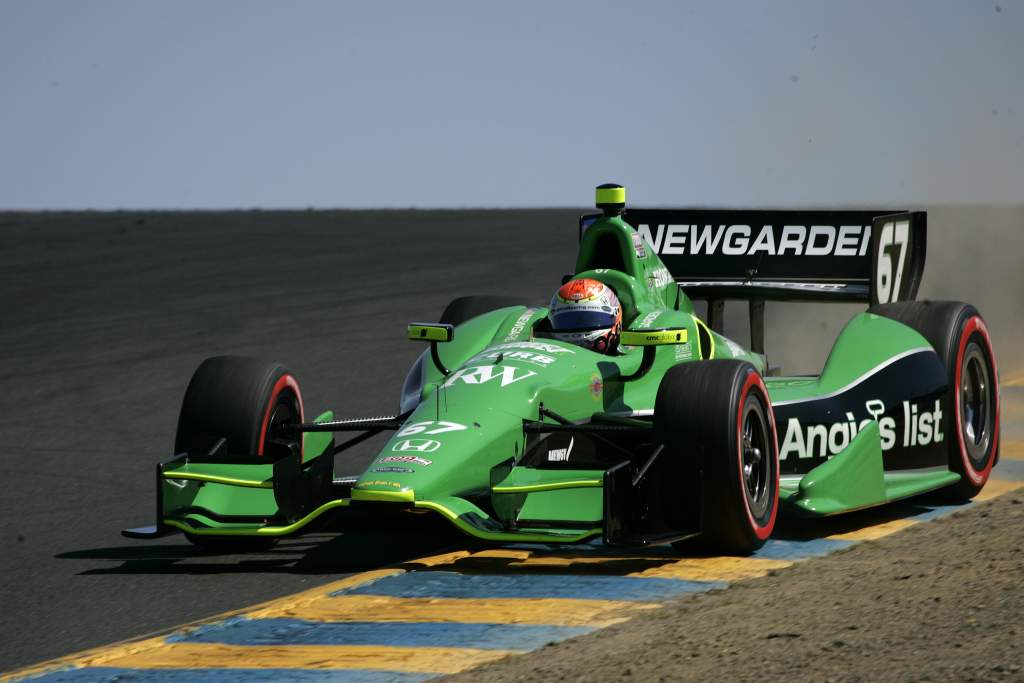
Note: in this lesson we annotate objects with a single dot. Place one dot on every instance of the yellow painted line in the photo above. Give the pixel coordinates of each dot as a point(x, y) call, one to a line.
point(1014, 380)
point(715, 569)
point(997, 487)
point(660, 566)
point(1010, 410)
point(874, 531)
point(139, 645)
point(438, 560)
point(1012, 449)
point(447, 660)
point(506, 559)
point(541, 611)
point(502, 554)
point(95, 656)
point(590, 564)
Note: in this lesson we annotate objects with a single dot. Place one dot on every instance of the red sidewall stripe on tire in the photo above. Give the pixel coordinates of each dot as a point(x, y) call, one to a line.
point(976, 324)
point(283, 382)
point(754, 380)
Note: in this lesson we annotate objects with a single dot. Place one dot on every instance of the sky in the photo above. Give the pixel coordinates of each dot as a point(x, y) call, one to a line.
point(198, 104)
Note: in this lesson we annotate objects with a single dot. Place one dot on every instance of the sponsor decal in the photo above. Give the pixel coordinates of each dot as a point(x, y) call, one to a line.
point(177, 483)
point(734, 348)
point(431, 427)
point(520, 324)
point(771, 240)
point(638, 246)
point(395, 470)
point(528, 356)
point(561, 454)
point(921, 427)
point(683, 351)
point(418, 445)
point(366, 484)
point(659, 278)
point(596, 385)
point(533, 346)
point(582, 290)
point(504, 374)
point(648, 320)
point(415, 459)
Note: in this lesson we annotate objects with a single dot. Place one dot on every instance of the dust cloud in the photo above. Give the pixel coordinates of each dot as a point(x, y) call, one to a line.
point(974, 255)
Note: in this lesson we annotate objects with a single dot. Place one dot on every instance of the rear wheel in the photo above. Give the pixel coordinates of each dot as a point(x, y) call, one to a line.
point(235, 409)
point(719, 412)
point(971, 407)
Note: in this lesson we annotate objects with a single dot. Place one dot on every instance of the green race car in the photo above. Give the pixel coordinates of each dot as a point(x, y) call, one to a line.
point(515, 436)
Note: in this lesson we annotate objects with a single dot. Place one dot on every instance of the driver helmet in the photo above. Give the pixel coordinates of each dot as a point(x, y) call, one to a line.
point(587, 313)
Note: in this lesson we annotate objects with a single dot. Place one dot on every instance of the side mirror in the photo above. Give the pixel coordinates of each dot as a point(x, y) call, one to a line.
point(435, 333)
point(651, 340)
point(431, 332)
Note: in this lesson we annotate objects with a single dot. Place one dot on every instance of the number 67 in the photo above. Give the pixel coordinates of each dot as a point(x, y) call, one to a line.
point(892, 254)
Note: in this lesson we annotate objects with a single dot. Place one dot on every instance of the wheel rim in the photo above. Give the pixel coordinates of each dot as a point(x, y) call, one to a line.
point(976, 413)
point(756, 459)
point(281, 440)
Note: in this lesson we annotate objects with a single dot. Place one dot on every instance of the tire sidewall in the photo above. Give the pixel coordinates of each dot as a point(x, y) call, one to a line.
point(972, 328)
point(285, 386)
point(752, 388)
point(234, 397)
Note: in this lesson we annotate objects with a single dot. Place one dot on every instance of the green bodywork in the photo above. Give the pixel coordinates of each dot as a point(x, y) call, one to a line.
point(463, 442)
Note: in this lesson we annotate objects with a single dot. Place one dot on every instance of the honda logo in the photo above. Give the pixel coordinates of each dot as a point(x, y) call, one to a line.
point(418, 445)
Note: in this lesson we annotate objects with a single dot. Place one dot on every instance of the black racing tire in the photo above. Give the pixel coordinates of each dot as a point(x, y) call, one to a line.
point(466, 307)
point(243, 400)
point(960, 337)
point(719, 412)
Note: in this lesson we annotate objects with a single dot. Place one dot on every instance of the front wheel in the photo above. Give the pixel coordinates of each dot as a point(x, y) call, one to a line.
point(237, 409)
point(244, 401)
point(719, 412)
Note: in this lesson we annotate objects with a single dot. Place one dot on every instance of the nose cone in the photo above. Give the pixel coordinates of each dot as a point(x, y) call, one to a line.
point(434, 455)
point(472, 422)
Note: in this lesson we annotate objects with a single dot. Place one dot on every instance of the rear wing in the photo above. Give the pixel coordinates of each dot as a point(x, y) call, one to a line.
point(845, 256)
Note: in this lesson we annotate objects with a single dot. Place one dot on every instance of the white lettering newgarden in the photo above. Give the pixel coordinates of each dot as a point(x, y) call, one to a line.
point(739, 240)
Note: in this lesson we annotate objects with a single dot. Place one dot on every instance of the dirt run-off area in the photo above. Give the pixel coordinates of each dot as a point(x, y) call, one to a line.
point(940, 601)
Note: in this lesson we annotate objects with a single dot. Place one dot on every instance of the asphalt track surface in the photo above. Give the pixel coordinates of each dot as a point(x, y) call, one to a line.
point(107, 316)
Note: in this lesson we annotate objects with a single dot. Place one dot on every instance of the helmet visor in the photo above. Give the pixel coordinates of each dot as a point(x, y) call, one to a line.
point(573, 320)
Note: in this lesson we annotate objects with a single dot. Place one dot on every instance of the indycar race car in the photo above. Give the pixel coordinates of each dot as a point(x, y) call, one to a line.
point(514, 436)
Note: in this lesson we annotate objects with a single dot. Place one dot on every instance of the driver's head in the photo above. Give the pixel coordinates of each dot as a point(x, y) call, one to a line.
point(587, 313)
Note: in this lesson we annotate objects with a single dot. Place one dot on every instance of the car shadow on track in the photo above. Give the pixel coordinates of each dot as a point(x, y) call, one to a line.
point(897, 514)
point(327, 551)
point(333, 551)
